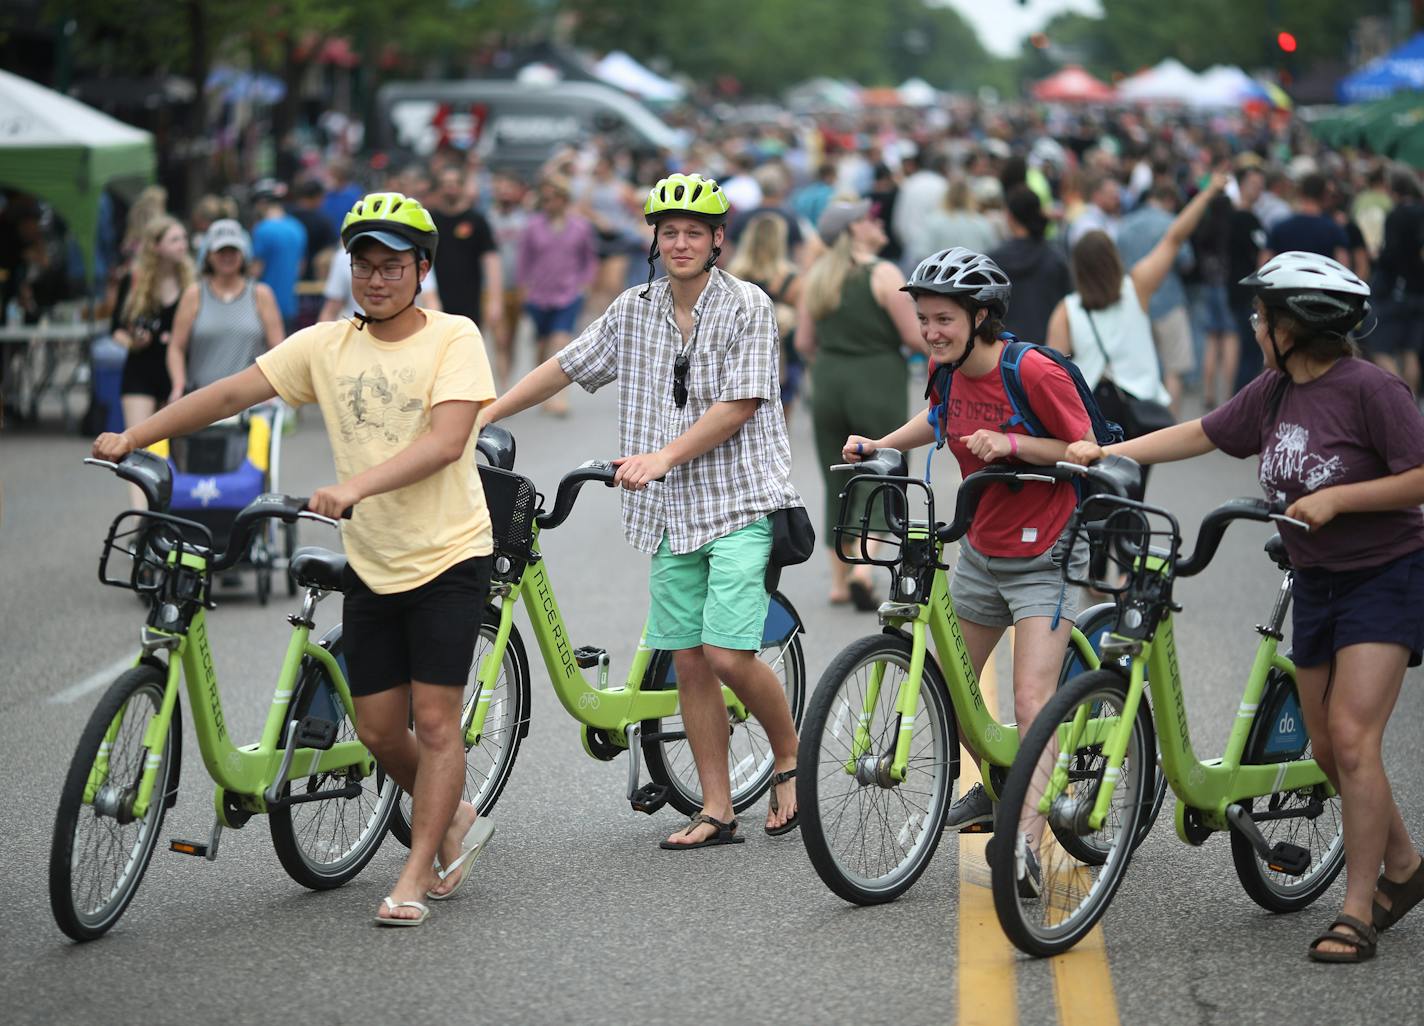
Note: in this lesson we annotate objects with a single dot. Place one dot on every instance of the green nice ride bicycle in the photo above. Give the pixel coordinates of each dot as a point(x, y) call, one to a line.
point(638, 716)
point(1073, 791)
point(879, 753)
point(327, 802)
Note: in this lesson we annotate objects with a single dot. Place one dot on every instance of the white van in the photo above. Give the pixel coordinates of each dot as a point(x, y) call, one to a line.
point(514, 124)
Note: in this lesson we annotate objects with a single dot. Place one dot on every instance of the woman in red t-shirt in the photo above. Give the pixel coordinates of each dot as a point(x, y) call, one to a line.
point(1010, 568)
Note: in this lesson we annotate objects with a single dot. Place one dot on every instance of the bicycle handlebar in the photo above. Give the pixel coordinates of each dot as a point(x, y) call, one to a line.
point(153, 477)
point(569, 486)
point(972, 489)
point(1214, 524)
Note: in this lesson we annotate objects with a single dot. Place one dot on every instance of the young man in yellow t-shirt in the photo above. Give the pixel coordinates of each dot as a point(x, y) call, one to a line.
point(399, 389)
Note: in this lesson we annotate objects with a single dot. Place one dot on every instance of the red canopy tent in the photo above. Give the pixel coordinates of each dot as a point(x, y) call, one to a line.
point(1072, 85)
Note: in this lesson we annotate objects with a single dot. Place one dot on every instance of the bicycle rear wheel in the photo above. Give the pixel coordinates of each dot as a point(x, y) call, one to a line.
point(1308, 817)
point(1074, 892)
point(749, 755)
point(324, 843)
point(868, 835)
point(488, 763)
point(100, 850)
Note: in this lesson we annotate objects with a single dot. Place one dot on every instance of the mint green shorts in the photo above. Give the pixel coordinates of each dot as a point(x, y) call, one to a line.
point(715, 595)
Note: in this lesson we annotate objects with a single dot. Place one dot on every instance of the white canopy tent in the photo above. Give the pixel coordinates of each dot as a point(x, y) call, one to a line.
point(1169, 82)
point(1224, 86)
point(618, 69)
point(66, 153)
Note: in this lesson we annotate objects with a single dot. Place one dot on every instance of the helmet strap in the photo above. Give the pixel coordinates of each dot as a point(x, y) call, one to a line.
point(362, 319)
point(652, 261)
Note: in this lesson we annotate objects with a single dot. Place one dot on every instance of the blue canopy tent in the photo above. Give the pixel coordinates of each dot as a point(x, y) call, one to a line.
point(1396, 72)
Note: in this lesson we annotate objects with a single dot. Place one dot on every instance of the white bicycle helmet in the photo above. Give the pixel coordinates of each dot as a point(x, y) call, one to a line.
point(963, 272)
point(1314, 289)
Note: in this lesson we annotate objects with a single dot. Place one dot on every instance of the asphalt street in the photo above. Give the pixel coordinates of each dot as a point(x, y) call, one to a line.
point(575, 914)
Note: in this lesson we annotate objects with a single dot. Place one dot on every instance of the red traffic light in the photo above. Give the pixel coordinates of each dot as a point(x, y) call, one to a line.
point(1286, 42)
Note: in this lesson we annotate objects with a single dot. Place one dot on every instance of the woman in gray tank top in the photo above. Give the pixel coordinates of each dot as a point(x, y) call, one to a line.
point(224, 321)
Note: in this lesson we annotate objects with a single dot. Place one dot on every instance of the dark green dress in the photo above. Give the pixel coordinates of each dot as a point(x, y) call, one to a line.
point(859, 382)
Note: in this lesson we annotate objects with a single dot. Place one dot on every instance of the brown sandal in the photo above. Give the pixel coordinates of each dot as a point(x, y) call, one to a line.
point(792, 823)
point(726, 834)
point(1403, 896)
point(1363, 941)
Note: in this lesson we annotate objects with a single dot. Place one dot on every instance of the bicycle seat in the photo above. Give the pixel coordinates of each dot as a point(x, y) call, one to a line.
point(312, 567)
point(1276, 549)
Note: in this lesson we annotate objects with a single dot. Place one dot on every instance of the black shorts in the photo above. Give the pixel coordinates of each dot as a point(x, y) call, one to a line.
point(146, 373)
point(1336, 609)
point(426, 634)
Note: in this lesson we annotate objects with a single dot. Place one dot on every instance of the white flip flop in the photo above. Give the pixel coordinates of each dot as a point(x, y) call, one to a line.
point(391, 906)
point(475, 840)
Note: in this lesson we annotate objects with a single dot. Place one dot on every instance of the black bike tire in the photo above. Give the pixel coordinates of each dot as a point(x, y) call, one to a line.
point(656, 751)
point(1248, 866)
point(1016, 786)
point(130, 683)
point(286, 839)
point(519, 694)
point(934, 696)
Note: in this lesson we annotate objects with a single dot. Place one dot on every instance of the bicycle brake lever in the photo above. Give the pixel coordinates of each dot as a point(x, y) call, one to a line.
point(1281, 518)
point(95, 462)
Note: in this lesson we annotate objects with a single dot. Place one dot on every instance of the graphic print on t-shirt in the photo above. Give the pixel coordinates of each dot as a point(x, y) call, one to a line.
point(1289, 461)
point(374, 408)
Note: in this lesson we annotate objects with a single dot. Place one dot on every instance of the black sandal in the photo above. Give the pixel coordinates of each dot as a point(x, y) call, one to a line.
point(1403, 896)
point(1362, 942)
point(792, 823)
point(726, 834)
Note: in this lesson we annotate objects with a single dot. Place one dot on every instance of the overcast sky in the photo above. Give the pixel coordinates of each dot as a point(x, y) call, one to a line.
point(1002, 24)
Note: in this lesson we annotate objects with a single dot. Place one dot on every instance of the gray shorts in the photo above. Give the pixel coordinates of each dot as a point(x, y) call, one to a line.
point(999, 591)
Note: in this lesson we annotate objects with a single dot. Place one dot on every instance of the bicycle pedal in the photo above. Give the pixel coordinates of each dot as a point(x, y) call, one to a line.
point(198, 848)
point(978, 828)
point(649, 798)
point(589, 656)
point(315, 732)
point(1288, 858)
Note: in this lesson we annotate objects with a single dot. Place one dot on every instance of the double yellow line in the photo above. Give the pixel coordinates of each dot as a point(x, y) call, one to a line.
point(988, 986)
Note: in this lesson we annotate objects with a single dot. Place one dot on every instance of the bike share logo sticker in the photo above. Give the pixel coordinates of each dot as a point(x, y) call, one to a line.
point(206, 491)
point(1287, 737)
point(588, 700)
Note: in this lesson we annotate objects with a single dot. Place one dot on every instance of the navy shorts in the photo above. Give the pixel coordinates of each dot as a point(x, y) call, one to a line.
point(1400, 328)
point(1336, 609)
point(426, 634)
point(549, 320)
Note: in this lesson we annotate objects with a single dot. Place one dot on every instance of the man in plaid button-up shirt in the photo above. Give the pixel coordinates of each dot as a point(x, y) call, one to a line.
point(707, 460)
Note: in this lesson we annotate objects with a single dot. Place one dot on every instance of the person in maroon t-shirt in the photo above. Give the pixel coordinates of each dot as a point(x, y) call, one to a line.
point(1341, 444)
point(1010, 568)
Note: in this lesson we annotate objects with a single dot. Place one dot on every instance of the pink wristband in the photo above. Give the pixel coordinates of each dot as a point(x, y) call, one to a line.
point(1013, 446)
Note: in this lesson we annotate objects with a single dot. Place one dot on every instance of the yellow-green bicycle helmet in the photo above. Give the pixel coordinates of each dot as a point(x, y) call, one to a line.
point(392, 219)
point(687, 196)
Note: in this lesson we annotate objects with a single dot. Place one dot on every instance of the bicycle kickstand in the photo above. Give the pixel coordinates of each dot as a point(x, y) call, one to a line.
point(651, 797)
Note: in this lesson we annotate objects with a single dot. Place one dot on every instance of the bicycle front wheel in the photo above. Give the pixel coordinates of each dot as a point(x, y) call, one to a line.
point(324, 843)
point(750, 761)
point(1049, 915)
point(1308, 817)
point(1096, 623)
point(489, 762)
point(101, 848)
point(868, 835)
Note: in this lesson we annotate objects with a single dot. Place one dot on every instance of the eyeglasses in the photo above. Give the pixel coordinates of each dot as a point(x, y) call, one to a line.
point(679, 380)
point(390, 272)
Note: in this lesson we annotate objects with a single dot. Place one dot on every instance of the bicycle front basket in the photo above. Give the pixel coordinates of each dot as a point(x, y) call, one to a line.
point(512, 501)
point(877, 516)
